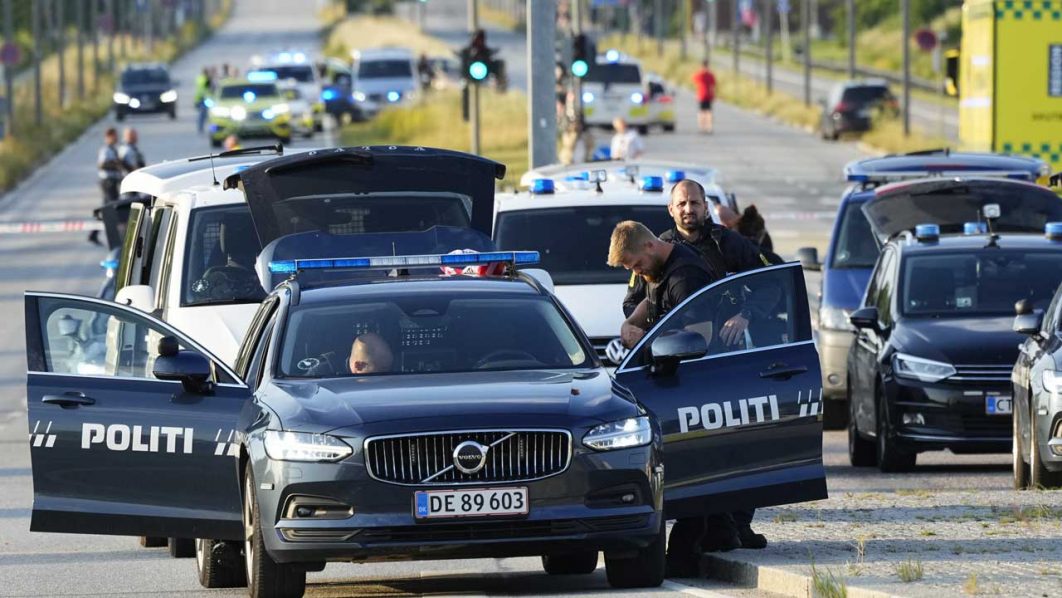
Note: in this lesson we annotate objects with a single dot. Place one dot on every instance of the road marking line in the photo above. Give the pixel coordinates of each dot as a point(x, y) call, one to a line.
point(692, 591)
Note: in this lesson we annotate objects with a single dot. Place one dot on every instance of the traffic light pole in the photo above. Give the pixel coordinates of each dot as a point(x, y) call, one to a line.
point(473, 95)
point(542, 112)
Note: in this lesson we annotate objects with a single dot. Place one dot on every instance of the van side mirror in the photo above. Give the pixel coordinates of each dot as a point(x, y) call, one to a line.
point(673, 347)
point(139, 296)
point(865, 317)
point(1028, 324)
point(809, 258)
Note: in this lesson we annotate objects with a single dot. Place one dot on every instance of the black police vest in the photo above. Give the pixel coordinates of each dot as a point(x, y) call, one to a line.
point(657, 299)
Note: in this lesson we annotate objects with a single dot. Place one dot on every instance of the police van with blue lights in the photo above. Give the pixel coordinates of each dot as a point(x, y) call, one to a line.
point(296, 68)
point(613, 88)
point(930, 367)
point(412, 403)
point(569, 221)
point(383, 77)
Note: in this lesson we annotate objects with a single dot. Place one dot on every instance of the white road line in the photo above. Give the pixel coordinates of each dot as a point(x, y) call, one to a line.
point(674, 586)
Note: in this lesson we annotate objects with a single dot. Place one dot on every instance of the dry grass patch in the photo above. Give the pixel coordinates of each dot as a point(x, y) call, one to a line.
point(909, 571)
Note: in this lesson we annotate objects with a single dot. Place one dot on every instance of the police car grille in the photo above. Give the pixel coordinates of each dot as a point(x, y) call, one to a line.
point(427, 459)
point(982, 373)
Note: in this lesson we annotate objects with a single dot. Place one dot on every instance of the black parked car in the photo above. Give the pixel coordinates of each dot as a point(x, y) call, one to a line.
point(852, 106)
point(145, 89)
point(930, 366)
point(1037, 379)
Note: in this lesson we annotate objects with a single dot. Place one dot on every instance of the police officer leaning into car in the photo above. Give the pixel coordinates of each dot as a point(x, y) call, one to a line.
point(722, 251)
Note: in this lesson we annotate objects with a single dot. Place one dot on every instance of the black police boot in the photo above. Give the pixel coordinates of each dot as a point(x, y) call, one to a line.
point(683, 548)
point(750, 539)
point(721, 535)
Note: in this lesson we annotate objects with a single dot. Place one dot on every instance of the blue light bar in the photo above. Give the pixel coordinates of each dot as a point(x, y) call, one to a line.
point(1053, 231)
point(542, 187)
point(857, 178)
point(404, 261)
point(248, 96)
point(582, 176)
point(109, 264)
point(927, 232)
point(974, 228)
point(652, 183)
point(261, 76)
point(674, 176)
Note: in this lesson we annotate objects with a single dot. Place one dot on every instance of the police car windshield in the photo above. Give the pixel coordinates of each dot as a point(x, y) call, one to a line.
point(855, 246)
point(986, 282)
point(220, 258)
point(429, 332)
point(301, 73)
point(232, 92)
point(574, 251)
point(385, 69)
point(146, 77)
point(608, 72)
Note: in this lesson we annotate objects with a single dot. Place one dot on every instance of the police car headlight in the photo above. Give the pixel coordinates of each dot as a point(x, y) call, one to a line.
point(626, 433)
point(358, 96)
point(916, 368)
point(169, 97)
point(220, 111)
point(120, 98)
point(238, 113)
point(301, 446)
point(835, 318)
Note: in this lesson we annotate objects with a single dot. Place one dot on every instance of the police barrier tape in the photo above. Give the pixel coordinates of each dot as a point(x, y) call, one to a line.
point(49, 226)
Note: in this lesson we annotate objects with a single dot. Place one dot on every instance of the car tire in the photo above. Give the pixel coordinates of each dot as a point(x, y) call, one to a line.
point(266, 578)
point(644, 570)
point(119, 115)
point(834, 414)
point(152, 542)
point(285, 140)
point(1021, 469)
point(219, 564)
point(891, 458)
point(669, 128)
point(1039, 476)
point(317, 128)
point(181, 548)
point(571, 563)
point(861, 452)
point(173, 114)
point(643, 130)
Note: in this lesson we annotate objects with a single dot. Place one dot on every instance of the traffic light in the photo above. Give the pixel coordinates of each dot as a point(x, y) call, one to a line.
point(580, 58)
point(477, 60)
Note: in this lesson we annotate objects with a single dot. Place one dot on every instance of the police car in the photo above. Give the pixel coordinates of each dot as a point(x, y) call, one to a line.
point(580, 220)
point(296, 68)
point(931, 364)
point(613, 88)
point(383, 77)
point(484, 427)
point(251, 107)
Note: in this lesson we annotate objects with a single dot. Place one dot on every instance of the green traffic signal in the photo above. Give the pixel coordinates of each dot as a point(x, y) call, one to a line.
point(478, 70)
point(580, 68)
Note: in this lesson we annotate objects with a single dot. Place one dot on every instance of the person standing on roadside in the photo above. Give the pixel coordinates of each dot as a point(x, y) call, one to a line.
point(202, 90)
point(109, 172)
point(704, 86)
point(129, 153)
point(626, 143)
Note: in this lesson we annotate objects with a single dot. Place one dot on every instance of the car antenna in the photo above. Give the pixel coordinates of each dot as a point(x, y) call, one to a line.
point(213, 174)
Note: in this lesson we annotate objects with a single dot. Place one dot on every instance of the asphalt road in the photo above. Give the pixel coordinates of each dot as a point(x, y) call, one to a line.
point(790, 175)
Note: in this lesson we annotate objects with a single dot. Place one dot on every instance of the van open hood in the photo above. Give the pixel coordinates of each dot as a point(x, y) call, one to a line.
point(368, 190)
point(1024, 207)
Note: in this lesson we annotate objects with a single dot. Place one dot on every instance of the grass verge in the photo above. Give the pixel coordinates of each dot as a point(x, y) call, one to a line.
point(61, 125)
point(824, 584)
point(358, 32)
point(503, 19)
point(909, 571)
point(435, 121)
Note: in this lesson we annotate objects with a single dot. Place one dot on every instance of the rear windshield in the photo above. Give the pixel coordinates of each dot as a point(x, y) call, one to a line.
point(146, 77)
point(385, 69)
point(300, 73)
point(230, 92)
point(576, 248)
point(220, 260)
point(428, 332)
point(355, 214)
point(863, 95)
point(988, 282)
point(614, 73)
point(855, 246)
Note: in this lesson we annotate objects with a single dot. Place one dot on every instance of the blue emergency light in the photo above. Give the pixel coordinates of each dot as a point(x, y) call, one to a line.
point(393, 96)
point(328, 95)
point(927, 233)
point(261, 76)
point(974, 228)
point(674, 176)
point(248, 96)
point(542, 187)
point(612, 56)
point(653, 184)
point(1053, 231)
point(405, 261)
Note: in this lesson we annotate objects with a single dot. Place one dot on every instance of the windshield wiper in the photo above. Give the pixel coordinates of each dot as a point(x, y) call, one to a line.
point(276, 148)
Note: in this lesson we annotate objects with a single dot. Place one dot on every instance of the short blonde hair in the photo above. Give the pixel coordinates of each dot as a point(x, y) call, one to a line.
point(628, 237)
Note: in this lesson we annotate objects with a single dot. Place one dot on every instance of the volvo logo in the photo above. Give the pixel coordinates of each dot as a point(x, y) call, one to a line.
point(470, 457)
point(615, 351)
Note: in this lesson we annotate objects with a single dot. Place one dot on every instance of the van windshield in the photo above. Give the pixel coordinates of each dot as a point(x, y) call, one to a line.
point(855, 246)
point(614, 73)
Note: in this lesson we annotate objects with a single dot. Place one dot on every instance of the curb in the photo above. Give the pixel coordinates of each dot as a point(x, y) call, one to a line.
point(774, 579)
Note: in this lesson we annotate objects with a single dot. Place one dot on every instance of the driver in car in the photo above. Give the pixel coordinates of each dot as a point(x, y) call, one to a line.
point(370, 354)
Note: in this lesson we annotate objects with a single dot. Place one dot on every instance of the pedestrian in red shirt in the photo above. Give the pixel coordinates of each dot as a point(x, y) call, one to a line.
point(704, 85)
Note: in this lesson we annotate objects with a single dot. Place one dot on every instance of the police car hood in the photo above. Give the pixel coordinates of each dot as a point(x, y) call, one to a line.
point(975, 340)
point(386, 84)
point(434, 401)
point(325, 189)
point(1024, 207)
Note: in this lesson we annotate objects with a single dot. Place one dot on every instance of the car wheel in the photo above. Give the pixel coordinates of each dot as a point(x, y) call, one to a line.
point(152, 541)
point(285, 140)
point(861, 452)
point(1021, 470)
point(834, 414)
point(265, 577)
point(891, 458)
point(572, 563)
point(181, 548)
point(669, 128)
point(644, 570)
point(219, 564)
point(119, 115)
point(643, 130)
point(173, 115)
point(317, 128)
point(1040, 476)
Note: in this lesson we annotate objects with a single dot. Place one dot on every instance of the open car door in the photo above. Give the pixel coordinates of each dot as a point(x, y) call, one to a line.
point(949, 203)
point(114, 449)
point(741, 423)
point(357, 190)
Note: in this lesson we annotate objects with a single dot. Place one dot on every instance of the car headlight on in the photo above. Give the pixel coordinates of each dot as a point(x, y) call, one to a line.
point(169, 97)
point(835, 318)
point(238, 113)
point(588, 97)
point(302, 446)
point(358, 96)
point(637, 98)
point(220, 111)
point(626, 433)
point(393, 96)
point(120, 98)
point(916, 368)
point(1052, 381)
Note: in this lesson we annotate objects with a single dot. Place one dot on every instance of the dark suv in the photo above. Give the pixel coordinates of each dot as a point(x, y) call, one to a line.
point(145, 89)
point(931, 364)
point(852, 105)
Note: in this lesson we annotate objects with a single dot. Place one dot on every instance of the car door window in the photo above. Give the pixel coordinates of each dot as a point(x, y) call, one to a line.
point(129, 247)
point(777, 316)
point(254, 372)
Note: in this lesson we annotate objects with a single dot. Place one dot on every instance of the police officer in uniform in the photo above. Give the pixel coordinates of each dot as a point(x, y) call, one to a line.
point(109, 171)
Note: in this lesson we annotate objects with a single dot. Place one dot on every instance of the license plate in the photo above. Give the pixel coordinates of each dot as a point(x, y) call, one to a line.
point(484, 502)
point(998, 405)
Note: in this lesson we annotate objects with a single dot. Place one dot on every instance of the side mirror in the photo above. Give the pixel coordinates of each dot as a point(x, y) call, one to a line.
point(191, 369)
point(1028, 324)
point(673, 347)
point(865, 317)
point(809, 258)
point(138, 296)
